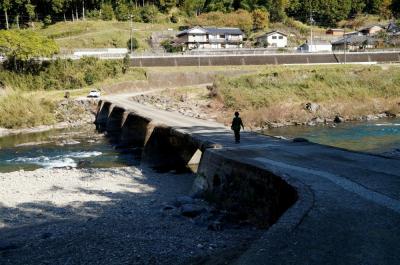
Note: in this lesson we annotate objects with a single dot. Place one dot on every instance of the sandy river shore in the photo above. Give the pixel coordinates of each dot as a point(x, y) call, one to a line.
point(106, 216)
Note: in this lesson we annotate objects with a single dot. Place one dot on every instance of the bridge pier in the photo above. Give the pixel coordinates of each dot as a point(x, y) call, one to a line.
point(135, 131)
point(114, 123)
point(103, 111)
point(167, 150)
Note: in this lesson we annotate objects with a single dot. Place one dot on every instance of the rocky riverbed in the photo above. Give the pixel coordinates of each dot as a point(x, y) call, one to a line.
point(110, 216)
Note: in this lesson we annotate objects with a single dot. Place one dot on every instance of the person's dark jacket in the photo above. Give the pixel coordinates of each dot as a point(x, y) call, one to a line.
point(236, 124)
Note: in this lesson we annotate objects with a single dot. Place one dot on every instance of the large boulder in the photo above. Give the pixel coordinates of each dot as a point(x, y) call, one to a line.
point(312, 107)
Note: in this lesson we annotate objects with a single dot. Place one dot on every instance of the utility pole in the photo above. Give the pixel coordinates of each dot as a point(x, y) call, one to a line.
point(311, 22)
point(345, 48)
point(131, 33)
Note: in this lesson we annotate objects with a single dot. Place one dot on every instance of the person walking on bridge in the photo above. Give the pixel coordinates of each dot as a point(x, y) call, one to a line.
point(236, 125)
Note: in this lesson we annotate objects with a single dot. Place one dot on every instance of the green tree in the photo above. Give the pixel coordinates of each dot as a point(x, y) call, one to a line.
point(241, 19)
point(25, 45)
point(218, 5)
point(167, 5)
point(260, 19)
point(385, 9)
point(149, 13)
point(30, 10)
point(135, 44)
point(373, 6)
point(277, 10)
point(396, 8)
point(107, 12)
point(5, 5)
point(357, 6)
point(47, 21)
point(122, 12)
point(192, 7)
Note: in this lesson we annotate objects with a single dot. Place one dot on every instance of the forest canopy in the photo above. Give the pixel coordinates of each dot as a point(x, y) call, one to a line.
point(14, 13)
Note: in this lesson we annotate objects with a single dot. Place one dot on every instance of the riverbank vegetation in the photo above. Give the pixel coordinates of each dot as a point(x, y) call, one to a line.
point(29, 95)
point(20, 111)
point(283, 95)
point(61, 74)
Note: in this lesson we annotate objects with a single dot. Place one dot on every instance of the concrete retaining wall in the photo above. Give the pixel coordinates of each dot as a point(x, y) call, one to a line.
point(170, 80)
point(265, 59)
point(255, 193)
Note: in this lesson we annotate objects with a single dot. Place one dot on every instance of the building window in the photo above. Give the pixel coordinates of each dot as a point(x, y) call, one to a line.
point(222, 36)
point(274, 37)
point(281, 37)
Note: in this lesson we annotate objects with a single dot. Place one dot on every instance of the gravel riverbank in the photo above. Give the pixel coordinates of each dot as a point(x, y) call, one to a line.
point(108, 216)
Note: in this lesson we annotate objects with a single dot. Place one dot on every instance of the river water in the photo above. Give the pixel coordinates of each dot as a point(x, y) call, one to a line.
point(74, 147)
point(381, 136)
point(84, 147)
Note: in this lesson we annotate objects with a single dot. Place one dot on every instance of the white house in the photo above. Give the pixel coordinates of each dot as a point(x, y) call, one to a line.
point(274, 38)
point(211, 38)
point(316, 46)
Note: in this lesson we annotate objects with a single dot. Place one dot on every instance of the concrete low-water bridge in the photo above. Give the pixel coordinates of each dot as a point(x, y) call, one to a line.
point(323, 205)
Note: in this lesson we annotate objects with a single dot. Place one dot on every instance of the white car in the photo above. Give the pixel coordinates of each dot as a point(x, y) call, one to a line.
point(94, 94)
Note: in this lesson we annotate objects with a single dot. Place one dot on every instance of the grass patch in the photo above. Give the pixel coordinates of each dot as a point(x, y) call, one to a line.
point(20, 111)
point(102, 34)
point(280, 93)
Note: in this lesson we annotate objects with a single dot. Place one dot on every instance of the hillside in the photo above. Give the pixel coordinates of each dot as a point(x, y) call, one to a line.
point(102, 34)
point(115, 34)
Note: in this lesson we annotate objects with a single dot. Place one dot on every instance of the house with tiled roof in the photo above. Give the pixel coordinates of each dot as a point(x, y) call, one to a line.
point(355, 43)
point(211, 38)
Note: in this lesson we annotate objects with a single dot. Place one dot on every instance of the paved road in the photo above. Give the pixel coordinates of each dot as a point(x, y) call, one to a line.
point(348, 210)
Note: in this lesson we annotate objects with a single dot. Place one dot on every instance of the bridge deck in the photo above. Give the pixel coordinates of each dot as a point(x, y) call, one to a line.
point(348, 210)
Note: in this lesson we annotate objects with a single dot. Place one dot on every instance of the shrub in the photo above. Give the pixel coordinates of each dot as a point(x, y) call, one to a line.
point(260, 19)
point(169, 46)
point(89, 78)
point(167, 5)
point(122, 12)
point(174, 18)
point(93, 14)
point(136, 14)
point(135, 44)
point(107, 12)
point(47, 21)
point(301, 27)
point(17, 111)
point(149, 13)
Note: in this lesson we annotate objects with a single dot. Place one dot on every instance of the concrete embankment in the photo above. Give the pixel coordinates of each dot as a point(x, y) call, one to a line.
point(347, 207)
point(263, 59)
point(159, 79)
